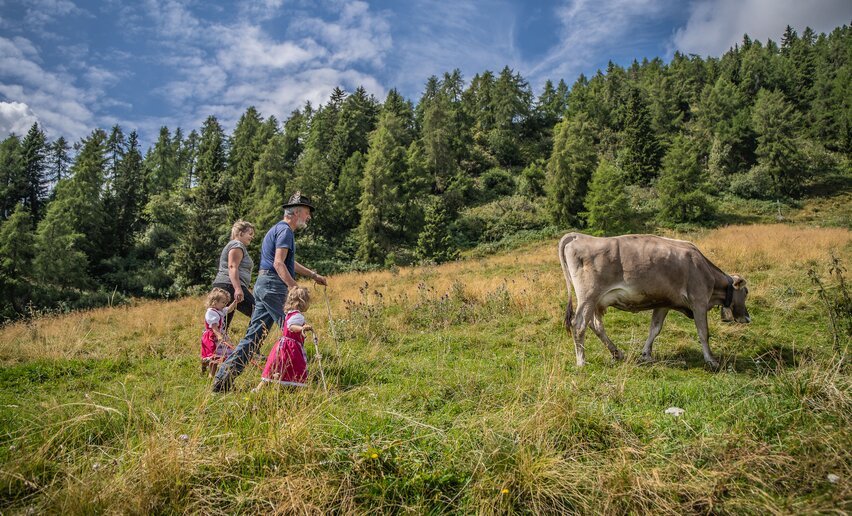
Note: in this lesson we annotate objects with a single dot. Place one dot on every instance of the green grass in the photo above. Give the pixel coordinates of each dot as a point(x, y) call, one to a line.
point(457, 403)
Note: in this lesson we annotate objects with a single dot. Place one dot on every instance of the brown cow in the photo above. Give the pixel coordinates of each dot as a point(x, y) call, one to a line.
point(644, 272)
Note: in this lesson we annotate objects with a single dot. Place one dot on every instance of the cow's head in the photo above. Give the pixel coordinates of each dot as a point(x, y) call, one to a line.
point(737, 311)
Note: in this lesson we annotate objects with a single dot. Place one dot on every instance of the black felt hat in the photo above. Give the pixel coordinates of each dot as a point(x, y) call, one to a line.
point(297, 199)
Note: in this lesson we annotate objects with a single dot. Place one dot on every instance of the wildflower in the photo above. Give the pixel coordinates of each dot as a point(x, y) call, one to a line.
point(504, 491)
point(374, 456)
point(832, 478)
point(183, 437)
point(96, 466)
point(12, 447)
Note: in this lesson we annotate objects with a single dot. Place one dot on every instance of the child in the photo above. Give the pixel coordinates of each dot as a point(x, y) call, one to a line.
point(214, 340)
point(287, 363)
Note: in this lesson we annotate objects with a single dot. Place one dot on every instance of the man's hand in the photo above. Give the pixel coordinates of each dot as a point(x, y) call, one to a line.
point(320, 279)
point(238, 295)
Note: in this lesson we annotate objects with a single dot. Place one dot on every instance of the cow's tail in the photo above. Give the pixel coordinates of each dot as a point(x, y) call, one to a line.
point(569, 311)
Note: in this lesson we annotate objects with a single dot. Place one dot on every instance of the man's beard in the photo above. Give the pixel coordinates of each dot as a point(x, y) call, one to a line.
point(302, 225)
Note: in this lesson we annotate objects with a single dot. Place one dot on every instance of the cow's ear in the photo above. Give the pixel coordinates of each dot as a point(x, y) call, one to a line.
point(738, 282)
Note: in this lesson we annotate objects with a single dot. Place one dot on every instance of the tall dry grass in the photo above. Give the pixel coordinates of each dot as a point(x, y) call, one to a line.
point(458, 418)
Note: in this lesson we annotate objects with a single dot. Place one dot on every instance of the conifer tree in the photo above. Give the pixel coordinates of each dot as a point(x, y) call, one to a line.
point(569, 169)
point(59, 159)
point(682, 187)
point(34, 158)
point(245, 149)
point(435, 242)
point(16, 255)
point(776, 124)
point(161, 165)
point(128, 195)
point(609, 211)
point(640, 153)
point(207, 214)
point(12, 178)
point(381, 202)
point(70, 238)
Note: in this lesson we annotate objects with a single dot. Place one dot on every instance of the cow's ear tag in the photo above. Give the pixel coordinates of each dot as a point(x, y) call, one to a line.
point(738, 282)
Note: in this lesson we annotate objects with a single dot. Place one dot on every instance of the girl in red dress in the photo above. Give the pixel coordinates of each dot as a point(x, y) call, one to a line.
point(287, 363)
point(213, 341)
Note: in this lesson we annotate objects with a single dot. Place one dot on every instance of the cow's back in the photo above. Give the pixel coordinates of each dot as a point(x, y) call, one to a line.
point(631, 271)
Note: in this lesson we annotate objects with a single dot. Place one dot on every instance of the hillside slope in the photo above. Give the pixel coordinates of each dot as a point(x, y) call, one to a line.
point(452, 388)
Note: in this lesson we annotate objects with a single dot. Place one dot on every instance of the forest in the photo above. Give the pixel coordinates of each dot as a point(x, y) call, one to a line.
point(471, 163)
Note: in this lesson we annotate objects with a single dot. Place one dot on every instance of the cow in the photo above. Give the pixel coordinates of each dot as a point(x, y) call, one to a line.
point(644, 272)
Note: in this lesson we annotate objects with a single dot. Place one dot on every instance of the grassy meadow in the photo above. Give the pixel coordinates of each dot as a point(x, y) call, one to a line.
point(451, 389)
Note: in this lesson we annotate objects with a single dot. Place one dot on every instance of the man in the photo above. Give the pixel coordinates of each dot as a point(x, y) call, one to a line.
point(278, 268)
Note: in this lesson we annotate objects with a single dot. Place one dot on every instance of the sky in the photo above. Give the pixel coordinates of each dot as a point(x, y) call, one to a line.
point(74, 65)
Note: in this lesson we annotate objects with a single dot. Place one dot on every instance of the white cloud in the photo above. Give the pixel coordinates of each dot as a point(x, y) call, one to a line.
point(591, 28)
point(42, 12)
point(16, 117)
point(59, 105)
point(714, 26)
point(469, 35)
point(222, 68)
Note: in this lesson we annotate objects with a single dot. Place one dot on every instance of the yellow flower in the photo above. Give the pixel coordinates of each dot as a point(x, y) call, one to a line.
point(504, 491)
point(375, 456)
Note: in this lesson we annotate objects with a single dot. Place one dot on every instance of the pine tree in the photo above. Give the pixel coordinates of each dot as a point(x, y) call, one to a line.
point(640, 153)
point(161, 165)
point(609, 211)
point(212, 160)
point(33, 151)
point(207, 214)
point(16, 255)
point(77, 218)
point(435, 242)
point(682, 187)
point(776, 124)
point(245, 149)
point(12, 178)
point(128, 195)
point(569, 169)
point(59, 159)
point(381, 201)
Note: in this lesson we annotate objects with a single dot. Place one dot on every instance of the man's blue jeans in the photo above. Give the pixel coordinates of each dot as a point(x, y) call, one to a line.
point(269, 294)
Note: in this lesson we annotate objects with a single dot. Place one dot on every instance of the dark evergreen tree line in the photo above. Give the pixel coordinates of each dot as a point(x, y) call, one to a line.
point(396, 181)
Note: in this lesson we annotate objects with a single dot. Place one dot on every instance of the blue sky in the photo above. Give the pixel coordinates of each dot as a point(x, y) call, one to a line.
point(74, 65)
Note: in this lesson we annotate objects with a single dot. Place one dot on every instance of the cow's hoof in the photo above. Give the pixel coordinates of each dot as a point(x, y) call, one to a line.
point(645, 359)
point(618, 356)
point(712, 364)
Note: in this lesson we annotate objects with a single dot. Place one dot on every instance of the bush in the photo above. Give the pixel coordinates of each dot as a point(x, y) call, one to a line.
point(493, 221)
point(755, 184)
point(495, 183)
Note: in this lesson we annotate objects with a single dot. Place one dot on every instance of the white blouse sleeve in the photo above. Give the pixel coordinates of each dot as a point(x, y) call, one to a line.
point(212, 317)
point(296, 319)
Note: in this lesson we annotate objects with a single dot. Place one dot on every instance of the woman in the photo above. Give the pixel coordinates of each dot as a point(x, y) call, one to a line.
point(235, 266)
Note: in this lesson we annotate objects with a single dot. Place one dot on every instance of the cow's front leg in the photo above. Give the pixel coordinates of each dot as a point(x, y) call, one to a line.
point(704, 337)
point(598, 328)
point(657, 320)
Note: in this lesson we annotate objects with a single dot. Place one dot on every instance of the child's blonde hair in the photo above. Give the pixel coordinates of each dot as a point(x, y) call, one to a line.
point(298, 299)
point(218, 294)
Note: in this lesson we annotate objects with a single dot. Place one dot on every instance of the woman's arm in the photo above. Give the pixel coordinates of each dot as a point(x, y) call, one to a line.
point(235, 256)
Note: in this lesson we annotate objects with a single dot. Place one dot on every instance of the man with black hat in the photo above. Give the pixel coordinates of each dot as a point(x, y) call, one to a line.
point(278, 268)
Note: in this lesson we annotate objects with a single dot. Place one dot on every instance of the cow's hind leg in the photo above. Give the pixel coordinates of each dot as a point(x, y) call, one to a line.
point(656, 325)
point(585, 313)
point(598, 328)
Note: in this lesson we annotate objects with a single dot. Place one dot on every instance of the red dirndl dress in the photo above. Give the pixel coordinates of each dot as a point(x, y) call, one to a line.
point(211, 348)
point(287, 363)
